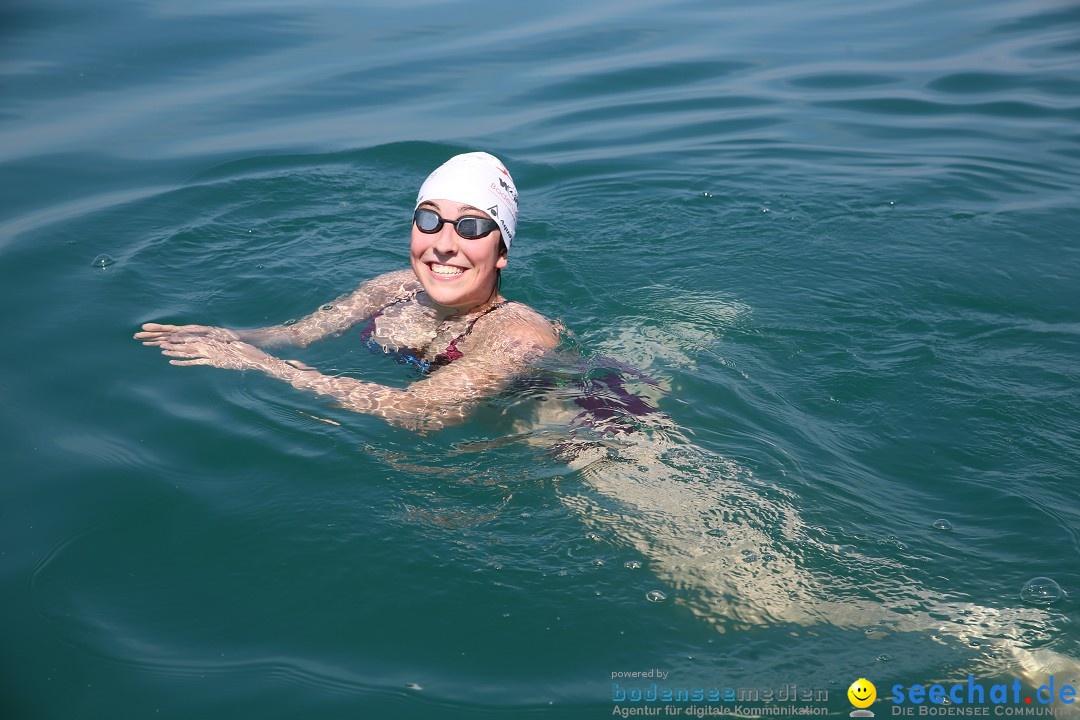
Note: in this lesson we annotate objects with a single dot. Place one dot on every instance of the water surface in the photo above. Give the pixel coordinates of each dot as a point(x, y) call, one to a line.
point(841, 239)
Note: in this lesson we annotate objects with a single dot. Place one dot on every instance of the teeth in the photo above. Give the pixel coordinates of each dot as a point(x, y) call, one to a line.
point(446, 269)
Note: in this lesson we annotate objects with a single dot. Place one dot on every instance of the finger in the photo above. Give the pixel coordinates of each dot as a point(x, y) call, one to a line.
point(180, 340)
point(180, 354)
point(159, 329)
point(197, 361)
point(180, 350)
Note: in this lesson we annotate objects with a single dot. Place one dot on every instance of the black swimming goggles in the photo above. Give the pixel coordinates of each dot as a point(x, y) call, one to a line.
point(468, 226)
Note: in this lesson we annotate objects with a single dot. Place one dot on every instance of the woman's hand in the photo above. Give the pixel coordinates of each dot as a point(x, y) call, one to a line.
point(213, 351)
point(157, 334)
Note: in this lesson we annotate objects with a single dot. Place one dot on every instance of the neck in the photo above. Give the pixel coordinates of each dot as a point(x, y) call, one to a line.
point(446, 311)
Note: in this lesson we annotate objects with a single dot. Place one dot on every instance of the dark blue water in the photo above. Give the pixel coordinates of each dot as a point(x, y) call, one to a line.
point(840, 237)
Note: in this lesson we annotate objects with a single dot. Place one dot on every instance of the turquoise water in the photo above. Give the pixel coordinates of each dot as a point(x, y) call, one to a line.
point(840, 236)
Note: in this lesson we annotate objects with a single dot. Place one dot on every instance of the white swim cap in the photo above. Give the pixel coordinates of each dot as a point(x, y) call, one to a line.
point(476, 179)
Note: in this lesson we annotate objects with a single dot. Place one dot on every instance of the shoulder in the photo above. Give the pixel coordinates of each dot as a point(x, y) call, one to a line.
point(392, 284)
point(516, 327)
point(373, 294)
point(382, 290)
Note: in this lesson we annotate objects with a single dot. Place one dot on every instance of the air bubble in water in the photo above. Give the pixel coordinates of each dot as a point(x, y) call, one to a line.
point(877, 632)
point(942, 524)
point(102, 261)
point(632, 565)
point(716, 532)
point(1041, 591)
point(655, 596)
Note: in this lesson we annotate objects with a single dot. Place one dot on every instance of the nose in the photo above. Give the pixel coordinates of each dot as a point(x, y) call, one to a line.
point(445, 240)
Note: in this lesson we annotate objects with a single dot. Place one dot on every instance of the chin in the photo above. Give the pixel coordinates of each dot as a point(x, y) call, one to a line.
point(447, 297)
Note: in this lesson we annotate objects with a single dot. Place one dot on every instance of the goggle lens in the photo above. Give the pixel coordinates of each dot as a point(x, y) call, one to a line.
point(469, 226)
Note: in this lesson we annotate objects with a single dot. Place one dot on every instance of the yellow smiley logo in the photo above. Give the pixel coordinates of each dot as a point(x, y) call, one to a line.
point(862, 693)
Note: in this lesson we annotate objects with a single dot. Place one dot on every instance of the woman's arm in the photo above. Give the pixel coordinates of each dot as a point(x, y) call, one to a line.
point(448, 395)
point(332, 318)
point(495, 356)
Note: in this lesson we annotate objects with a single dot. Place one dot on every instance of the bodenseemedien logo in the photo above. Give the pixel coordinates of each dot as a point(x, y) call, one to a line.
point(862, 694)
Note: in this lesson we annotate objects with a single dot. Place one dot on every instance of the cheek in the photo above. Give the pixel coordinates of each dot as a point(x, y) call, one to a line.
point(417, 244)
point(483, 259)
point(487, 256)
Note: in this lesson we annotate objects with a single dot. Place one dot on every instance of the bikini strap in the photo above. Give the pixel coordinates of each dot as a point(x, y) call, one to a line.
point(452, 353)
point(469, 327)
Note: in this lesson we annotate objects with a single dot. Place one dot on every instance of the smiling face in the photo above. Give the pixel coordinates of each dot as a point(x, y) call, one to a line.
point(862, 693)
point(457, 273)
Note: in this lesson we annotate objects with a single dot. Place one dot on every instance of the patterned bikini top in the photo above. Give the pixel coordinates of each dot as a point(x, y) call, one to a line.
point(414, 357)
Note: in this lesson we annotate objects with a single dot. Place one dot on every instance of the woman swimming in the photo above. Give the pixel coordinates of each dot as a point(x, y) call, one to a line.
point(445, 315)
